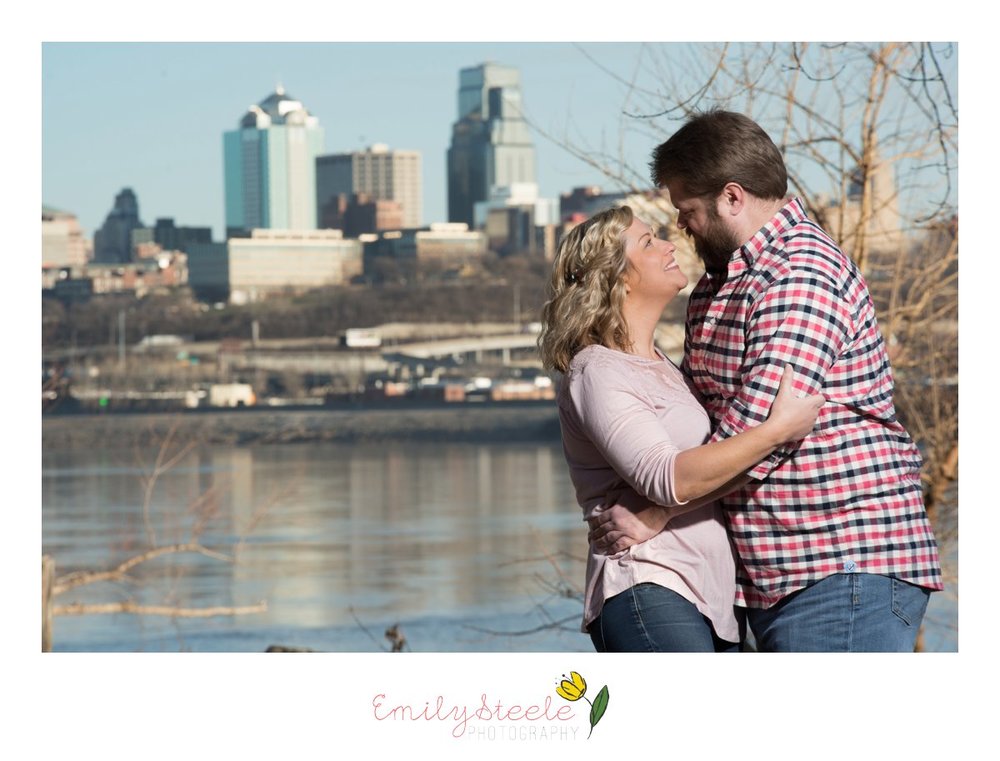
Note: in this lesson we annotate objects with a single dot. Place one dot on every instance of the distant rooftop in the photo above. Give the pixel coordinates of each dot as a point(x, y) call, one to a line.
point(51, 211)
point(277, 108)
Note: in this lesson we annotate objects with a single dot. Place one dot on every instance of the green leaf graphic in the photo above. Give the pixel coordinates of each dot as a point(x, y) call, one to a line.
point(598, 707)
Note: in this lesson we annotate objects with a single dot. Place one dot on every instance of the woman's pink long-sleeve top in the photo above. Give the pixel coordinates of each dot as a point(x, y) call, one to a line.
point(624, 419)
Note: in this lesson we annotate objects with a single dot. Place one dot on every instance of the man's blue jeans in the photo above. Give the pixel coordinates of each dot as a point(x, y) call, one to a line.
point(846, 612)
point(649, 618)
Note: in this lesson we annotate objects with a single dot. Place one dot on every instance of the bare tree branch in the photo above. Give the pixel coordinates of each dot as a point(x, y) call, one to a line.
point(119, 573)
point(127, 606)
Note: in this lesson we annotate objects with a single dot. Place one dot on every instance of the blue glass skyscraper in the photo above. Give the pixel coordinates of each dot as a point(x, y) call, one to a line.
point(270, 166)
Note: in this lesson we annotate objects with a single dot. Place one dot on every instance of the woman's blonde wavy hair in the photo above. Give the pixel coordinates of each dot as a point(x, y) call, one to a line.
point(587, 290)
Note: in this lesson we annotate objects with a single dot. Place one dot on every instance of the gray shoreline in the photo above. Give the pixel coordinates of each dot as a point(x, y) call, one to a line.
point(505, 422)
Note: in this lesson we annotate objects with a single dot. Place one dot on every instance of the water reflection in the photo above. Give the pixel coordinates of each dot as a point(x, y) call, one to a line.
point(323, 533)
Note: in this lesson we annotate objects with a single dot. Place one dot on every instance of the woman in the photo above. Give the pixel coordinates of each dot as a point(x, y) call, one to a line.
point(633, 433)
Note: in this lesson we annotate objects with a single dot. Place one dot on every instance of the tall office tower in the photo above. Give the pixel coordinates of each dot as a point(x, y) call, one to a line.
point(377, 172)
point(270, 163)
point(113, 241)
point(490, 142)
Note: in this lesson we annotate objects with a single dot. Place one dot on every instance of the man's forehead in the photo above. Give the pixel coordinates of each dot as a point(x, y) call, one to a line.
point(678, 193)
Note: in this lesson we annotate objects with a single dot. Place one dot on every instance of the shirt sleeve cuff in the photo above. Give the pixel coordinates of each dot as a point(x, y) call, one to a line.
point(763, 469)
point(673, 487)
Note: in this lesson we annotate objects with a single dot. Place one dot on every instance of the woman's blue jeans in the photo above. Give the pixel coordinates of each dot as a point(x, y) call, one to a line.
point(846, 612)
point(649, 618)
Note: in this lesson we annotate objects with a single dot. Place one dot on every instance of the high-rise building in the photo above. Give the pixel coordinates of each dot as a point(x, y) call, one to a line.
point(490, 142)
point(270, 165)
point(377, 172)
point(113, 241)
point(63, 244)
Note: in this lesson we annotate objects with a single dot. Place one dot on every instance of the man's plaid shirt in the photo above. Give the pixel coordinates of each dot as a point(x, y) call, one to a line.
point(848, 498)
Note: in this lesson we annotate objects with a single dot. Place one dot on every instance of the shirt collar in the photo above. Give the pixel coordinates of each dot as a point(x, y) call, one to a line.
point(787, 217)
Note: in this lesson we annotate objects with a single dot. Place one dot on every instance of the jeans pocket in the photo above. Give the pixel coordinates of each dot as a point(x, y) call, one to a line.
point(909, 602)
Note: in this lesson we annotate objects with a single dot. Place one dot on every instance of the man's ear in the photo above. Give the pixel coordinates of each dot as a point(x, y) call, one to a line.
point(732, 199)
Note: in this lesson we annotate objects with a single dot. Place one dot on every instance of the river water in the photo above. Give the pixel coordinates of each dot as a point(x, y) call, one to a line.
point(458, 544)
point(466, 547)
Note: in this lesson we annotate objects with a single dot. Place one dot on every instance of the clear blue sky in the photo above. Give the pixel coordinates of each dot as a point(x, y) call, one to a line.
point(150, 116)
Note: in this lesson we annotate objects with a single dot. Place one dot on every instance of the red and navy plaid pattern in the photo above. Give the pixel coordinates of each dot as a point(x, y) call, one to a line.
point(848, 497)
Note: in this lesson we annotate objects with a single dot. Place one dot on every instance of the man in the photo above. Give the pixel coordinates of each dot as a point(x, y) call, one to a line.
point(834, 548)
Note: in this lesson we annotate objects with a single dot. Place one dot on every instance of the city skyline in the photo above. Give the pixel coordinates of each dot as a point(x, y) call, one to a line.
point(167, 144)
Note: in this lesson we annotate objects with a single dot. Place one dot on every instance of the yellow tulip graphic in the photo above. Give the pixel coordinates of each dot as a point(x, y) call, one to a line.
point(575, 687)
point(572, 690)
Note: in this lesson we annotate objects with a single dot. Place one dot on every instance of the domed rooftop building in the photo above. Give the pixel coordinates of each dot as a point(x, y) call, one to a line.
point(270, 161)
point(278, 108)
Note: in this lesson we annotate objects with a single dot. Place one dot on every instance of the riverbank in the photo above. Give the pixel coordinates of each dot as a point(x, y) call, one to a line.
point(487, 422)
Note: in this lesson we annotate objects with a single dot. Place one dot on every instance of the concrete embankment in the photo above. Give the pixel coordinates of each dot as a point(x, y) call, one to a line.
point(496, 422)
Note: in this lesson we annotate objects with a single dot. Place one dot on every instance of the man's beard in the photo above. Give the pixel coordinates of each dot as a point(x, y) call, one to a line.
point(716, 245)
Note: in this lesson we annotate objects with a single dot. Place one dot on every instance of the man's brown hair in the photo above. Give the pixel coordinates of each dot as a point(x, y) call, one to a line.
point(719, 147)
